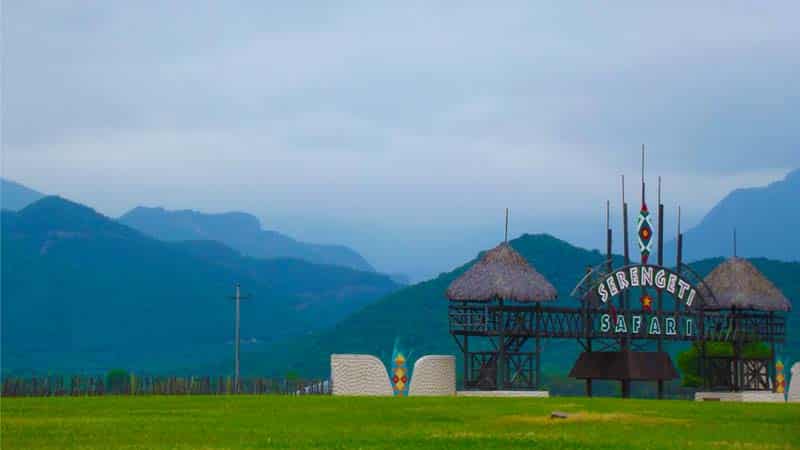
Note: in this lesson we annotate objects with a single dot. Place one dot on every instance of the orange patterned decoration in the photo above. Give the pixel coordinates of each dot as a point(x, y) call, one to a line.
point(399, 375)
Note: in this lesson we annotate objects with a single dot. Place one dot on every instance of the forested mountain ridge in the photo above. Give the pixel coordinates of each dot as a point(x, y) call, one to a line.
point(81, 290)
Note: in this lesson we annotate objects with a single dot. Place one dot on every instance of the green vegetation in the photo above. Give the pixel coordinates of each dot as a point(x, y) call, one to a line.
point(83, 293)
point(414, 423)
point(687, 359)
point(117, 380)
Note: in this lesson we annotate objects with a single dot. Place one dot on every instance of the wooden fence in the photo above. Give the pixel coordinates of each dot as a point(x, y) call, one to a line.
point(59, 386)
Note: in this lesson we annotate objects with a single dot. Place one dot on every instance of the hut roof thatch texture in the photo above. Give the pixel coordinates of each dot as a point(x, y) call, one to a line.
point(501, 273)
point(736, 282)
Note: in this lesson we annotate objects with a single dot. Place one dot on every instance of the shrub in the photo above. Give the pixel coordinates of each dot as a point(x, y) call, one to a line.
point(687, 359)
point(117, 381)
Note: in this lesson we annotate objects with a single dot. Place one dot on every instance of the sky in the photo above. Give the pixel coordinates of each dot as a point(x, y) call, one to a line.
point(402, 130)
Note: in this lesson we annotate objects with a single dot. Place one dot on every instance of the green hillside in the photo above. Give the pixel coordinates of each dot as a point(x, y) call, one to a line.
point(82, 292)
point(417, 315)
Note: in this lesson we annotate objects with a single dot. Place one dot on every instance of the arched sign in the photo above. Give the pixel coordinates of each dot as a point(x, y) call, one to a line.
point(644, 276)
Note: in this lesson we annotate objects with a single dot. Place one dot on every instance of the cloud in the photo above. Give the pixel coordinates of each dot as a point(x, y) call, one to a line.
point(414, 113)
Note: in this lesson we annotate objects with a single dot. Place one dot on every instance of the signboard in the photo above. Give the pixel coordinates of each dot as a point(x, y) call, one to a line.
point(639, 324)
point(644, 276)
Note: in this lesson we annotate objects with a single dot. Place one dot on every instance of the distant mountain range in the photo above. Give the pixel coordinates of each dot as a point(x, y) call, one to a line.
point(240, 231)
point(765, 218)
point(81, 291)
point(14, 196)
point(417, 315)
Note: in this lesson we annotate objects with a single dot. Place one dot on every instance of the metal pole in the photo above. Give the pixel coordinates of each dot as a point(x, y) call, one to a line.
point(237, 298)
point(236, 343)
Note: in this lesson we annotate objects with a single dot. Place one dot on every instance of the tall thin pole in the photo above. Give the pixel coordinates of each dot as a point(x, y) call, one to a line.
point(660, 304)
point(642, 172)
point(506, 236)
point(237, 341)
point(625, 298)
point(237, 298)
point(734, 243)
point(501, 363)
point(609, 263)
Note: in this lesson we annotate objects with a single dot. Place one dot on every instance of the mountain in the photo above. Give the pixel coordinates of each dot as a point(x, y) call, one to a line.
point(763, 217)
point(239, 231)
point(14, 196)
point(83, 292)
point(417, 315)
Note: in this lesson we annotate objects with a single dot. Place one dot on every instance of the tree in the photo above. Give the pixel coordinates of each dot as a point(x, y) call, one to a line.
point(117, 381)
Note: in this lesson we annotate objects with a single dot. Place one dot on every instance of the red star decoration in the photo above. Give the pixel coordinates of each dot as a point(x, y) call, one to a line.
point(647, 302)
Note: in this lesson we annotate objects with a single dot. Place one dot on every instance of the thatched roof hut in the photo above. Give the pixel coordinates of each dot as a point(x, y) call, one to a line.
point(737, 283)
point(501, 273)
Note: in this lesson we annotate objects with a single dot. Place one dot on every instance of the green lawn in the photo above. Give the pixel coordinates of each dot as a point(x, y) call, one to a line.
point(410, 423)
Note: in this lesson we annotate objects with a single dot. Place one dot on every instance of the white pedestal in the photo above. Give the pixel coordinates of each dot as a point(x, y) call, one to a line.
point(794, 386)
point(530, 394)
point(743, 396)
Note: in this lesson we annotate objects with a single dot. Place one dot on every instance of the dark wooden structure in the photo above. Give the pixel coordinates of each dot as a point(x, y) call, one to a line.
point(499, 299)
point(746, 299)
point(499, 314)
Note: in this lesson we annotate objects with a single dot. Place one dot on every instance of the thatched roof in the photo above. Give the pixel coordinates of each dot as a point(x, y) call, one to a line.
point(738, 283)
point(501, 273)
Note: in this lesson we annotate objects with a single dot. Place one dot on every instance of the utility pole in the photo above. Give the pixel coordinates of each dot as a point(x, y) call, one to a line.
point(237, 298)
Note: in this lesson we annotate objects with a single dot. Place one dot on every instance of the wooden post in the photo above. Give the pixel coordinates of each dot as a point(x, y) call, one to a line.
point(466, 362)
point(538, 345)
point(772, 371)
point(501, 357)
point(736, 355)
point(624, 300)
point(701, 361)
point(659, 294)
point(609, 265)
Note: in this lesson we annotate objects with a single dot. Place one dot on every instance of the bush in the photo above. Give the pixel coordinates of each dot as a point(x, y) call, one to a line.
point(687, 359)
point(117, 381)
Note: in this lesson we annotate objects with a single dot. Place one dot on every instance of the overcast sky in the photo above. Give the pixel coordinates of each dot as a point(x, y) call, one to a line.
point(402, 130)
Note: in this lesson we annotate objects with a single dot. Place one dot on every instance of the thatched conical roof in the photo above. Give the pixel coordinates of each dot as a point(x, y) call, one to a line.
point(501, 273)
point(736, 282)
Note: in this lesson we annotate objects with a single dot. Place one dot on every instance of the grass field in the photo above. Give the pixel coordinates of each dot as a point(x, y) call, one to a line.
point(411, 423)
